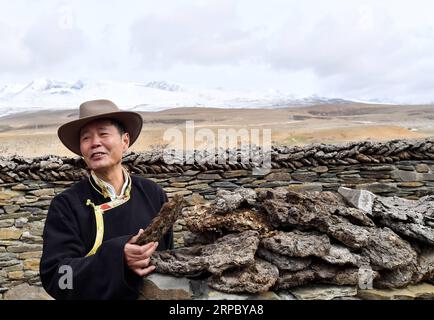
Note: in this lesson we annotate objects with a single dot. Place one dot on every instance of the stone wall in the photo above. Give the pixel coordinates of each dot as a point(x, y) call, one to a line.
point(399, 167)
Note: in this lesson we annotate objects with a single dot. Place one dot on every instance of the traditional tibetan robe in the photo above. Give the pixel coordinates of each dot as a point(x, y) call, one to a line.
point(85, 234)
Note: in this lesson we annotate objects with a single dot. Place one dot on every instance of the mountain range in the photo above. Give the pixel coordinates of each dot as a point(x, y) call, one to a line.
point(47, 94)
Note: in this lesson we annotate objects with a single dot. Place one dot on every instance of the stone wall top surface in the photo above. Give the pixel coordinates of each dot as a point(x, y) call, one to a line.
point(52, 168)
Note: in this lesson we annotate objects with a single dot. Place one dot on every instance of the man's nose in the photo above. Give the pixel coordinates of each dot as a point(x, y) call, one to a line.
point(95, 141)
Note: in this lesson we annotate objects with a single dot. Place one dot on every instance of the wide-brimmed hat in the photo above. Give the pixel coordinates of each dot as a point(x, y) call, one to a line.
point(69, 133)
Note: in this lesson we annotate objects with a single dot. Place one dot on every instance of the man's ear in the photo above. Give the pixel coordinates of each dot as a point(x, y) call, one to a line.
point(125, 141)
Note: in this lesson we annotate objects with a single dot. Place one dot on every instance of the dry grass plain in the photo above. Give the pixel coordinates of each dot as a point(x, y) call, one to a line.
point(35, 134)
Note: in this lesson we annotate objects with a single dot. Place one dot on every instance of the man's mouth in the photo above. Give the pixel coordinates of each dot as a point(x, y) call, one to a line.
point(97, 155)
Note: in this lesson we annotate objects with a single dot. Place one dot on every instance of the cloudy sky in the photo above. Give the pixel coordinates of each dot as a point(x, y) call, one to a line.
point(351, 49)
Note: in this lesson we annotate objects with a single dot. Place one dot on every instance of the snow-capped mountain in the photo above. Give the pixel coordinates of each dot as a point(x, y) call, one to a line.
point(152, 96)
point(163, 85)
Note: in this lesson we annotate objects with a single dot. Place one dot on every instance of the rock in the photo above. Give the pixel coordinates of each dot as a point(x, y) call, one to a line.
point(48, 165)
point(406, 167)
point(318, 210)
point(278, 176)
point(411, 184)
point(11, 208)
point(284, 262)
point(323, 292)
point(427, 177)
point(26, 292)
point(20, 186)
point(24, 248)
point(233, 250)
point(298, 244)
point(397, 278)
point(320, 169)
point(376, 168)
point(305, 176)
point(31, 254)
point(43, 192)
point(6, 223)
point(351, 235)
point(267, 295)
point(273, 184)
point(208, 176)
point(197, 187)
point(386, 250)
point(21, 222)
point(258, 277)
point(305, 187)
point(378, 188)
point(341, 255)
point(6, 195)
point(425, 265)
point(164, 287)
point(9, 263)
point(227, 200)
point(406, 176)
point(179, 193)
point(190, 172)
point(410, 218)
point(8, 256)
point(285, 295)
point(192, 238)
point(181, 179)
point(236, 173)
point(31, 264)
point(36, 228)
point(179, 184)
point(16, 275)
point(360, 199)
point(355, 216)
point(217, 295)
point(331, 274)
point(294, 279)
point(10, 233)
point(202, 219)
point(171, 189)
point(224, 185)
point(419, 291)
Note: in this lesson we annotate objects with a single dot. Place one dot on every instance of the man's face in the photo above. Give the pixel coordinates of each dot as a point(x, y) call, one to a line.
point(102, 145)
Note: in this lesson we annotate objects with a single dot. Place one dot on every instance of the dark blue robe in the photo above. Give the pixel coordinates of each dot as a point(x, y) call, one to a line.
point(70, 231)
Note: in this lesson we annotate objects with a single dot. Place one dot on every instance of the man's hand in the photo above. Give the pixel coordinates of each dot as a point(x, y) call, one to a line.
point(138, 257)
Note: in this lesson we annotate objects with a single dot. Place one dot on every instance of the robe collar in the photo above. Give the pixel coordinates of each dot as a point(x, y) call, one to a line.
point(107, 190)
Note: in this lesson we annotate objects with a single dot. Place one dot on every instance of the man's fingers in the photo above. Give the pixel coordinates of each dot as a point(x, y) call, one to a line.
point(140, 264)
point(145, 271)
point(140, 252)
point(150, 250)
point(134, 239)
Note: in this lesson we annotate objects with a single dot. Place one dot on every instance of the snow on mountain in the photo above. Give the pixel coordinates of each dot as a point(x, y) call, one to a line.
point(49, 94)
point(163, 85)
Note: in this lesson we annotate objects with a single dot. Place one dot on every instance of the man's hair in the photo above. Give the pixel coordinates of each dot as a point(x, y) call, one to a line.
point(118, 125)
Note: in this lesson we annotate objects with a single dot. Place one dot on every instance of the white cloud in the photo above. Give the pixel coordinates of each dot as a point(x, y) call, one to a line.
point(360, 48)
point(54, 38)
point(200, 34)
point(14, 56)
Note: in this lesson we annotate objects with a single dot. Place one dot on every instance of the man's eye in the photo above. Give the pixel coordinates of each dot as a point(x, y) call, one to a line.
point(84, 138)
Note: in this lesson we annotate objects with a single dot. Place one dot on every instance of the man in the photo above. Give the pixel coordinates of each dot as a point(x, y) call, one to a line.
point(91, 228)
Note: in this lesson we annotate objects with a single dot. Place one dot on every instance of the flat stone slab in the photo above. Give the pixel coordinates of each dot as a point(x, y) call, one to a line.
point(26, 292)
point(323, 292)
point(419, 291)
